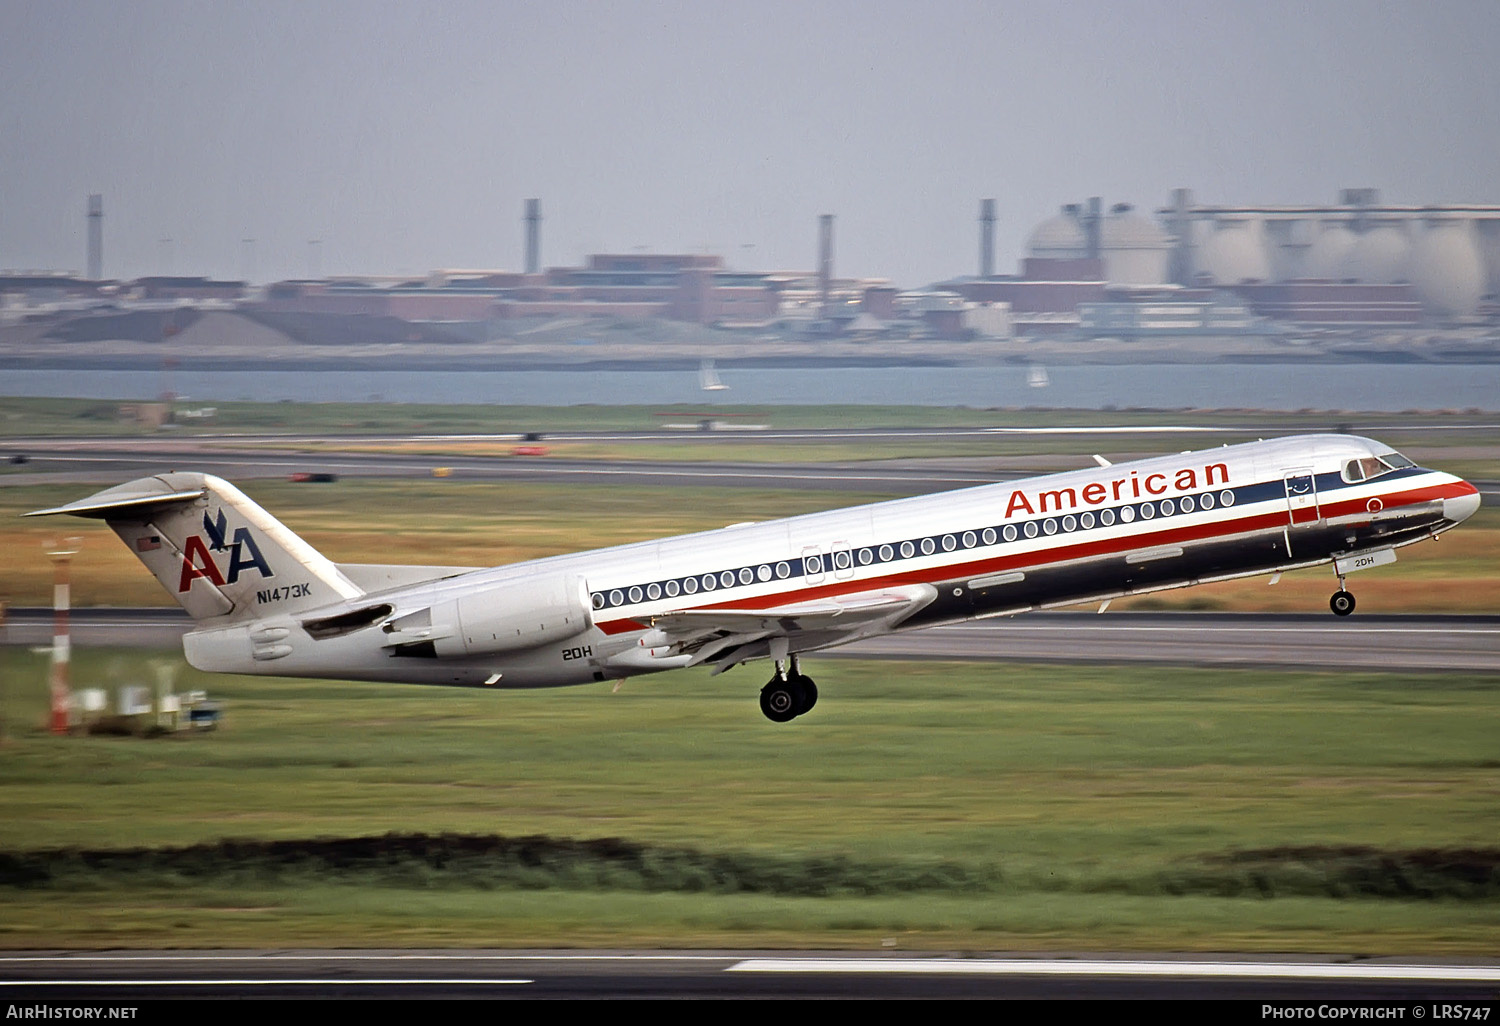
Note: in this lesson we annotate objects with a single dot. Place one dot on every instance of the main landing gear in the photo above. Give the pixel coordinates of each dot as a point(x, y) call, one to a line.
point(1342, 602)
point(788, 694)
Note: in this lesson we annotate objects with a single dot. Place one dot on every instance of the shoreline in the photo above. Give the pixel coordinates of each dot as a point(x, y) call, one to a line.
point(486, 358)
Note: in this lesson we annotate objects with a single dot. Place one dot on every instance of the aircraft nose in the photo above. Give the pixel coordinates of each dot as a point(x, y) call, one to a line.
point(1458, 508)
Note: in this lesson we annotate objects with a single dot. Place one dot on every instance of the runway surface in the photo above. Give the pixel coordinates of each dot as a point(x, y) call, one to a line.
point(1304, 641)
point(109, 460)
point(134, 976)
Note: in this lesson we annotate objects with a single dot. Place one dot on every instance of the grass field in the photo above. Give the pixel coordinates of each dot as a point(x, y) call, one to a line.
point(21, 416)
point(921, 805)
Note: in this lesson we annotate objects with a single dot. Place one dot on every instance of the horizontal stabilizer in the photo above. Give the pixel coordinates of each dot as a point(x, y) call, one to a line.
point(214, 550)
point(137, 498)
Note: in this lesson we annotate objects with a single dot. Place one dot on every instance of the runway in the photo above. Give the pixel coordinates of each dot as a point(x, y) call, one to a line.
point(108, 461)
point(111, 466)
point(1291, 640)
point(126, 977)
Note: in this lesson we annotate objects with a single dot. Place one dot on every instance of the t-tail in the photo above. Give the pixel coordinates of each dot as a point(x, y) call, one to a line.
point(218, 553)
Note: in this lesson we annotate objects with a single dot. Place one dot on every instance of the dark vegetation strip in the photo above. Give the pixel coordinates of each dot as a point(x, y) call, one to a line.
point(491, 862)
point(459, 861)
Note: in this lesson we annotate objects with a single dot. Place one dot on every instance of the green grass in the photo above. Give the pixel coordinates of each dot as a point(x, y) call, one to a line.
point(52, 416)
point(1104, 801)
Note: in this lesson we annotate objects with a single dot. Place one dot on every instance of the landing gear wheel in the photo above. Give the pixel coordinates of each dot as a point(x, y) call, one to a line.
point(782, 699)
point(809, 693)
point(1342, 603)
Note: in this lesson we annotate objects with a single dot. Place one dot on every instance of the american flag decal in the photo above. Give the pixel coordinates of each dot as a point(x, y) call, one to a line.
point(150, 543)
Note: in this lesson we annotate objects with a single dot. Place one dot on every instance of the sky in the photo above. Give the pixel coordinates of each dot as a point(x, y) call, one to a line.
point(386, 137)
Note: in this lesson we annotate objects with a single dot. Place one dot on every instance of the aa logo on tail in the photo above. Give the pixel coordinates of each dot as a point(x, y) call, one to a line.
point(198, 560)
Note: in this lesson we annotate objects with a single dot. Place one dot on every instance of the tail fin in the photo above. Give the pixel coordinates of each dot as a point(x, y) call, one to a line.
point(214, 550)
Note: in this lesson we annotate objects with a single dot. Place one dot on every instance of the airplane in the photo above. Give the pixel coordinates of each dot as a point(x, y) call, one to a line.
point(266, 602)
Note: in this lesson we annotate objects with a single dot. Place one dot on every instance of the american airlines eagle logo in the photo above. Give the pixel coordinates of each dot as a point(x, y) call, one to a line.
point(242, 552)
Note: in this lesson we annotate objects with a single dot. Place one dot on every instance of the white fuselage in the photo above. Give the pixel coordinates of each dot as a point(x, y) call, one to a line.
point(1084, 535)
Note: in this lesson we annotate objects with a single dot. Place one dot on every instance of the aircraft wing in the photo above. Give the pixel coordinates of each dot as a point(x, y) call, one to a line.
point(727, 637)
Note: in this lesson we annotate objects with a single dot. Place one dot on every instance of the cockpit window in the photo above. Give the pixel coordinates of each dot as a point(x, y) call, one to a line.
point(1368, 467)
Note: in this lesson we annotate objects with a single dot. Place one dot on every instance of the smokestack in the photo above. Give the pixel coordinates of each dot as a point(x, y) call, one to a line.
point(96, 237)
point(1091, 226)
point(533, 236)
point(1181, 270)
point(825, 262)
point(987, 238)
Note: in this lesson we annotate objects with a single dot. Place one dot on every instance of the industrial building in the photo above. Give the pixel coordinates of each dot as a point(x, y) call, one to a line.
point(1356, 262)
point(1087, 271)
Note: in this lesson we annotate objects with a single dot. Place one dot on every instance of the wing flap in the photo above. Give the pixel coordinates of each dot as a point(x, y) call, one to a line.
point(725, 635)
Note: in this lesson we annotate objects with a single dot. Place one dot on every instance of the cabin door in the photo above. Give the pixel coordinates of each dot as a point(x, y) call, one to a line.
point(1302, 498)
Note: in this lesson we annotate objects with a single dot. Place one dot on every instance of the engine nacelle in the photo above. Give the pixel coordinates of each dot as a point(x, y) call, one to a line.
point(515, 615)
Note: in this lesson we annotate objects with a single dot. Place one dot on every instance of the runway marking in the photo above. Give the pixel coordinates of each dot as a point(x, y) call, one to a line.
point(1085, 967)
point(334, 981)
point(531, 468)
point(1204, 629)
point(342, 956)
point(1165, 429)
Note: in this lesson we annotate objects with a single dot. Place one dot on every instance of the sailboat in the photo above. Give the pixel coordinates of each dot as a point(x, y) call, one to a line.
point(1037, 376)
point(708, 378)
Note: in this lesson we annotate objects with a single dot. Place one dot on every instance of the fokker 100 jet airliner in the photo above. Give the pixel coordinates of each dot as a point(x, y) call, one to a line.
point(266, 602)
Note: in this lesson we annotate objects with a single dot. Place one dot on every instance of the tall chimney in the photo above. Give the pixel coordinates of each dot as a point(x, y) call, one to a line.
point(825, 262)
point(987, 238)
point(1181, 225)
point(1091, 225)
point(96, 237)
point(533, 236)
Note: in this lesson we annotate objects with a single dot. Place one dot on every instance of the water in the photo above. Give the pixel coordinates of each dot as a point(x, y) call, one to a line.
point(1372, 387)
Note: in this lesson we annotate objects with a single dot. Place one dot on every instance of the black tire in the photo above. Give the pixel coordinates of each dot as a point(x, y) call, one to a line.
point(781, 700)
point(1342, 603)
point(809, 693)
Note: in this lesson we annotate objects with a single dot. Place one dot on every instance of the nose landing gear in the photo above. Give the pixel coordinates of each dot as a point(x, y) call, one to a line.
point(788, 694)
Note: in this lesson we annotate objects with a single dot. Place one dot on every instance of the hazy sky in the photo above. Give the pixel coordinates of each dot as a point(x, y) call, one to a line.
point(406, 136)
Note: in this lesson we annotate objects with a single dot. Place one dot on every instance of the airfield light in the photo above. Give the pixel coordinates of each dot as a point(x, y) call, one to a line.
point(60, 551)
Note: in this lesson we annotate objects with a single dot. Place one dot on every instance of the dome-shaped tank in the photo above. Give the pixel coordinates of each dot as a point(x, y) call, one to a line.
point(1447, 268)
point(1381, 255)
point(1235, 253)
point(1059, 238)
point(1488, 230)
point(1134, 248)
point(1330, 250)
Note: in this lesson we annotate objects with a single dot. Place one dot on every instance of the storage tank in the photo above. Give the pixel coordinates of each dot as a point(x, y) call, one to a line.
point(1329, 253)
point(1235, 253)
point(1382, 255)
point(1447, 268)
point(1488, 230)
point(1060, 237)
point(1133, 248)
point(1287, 241)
